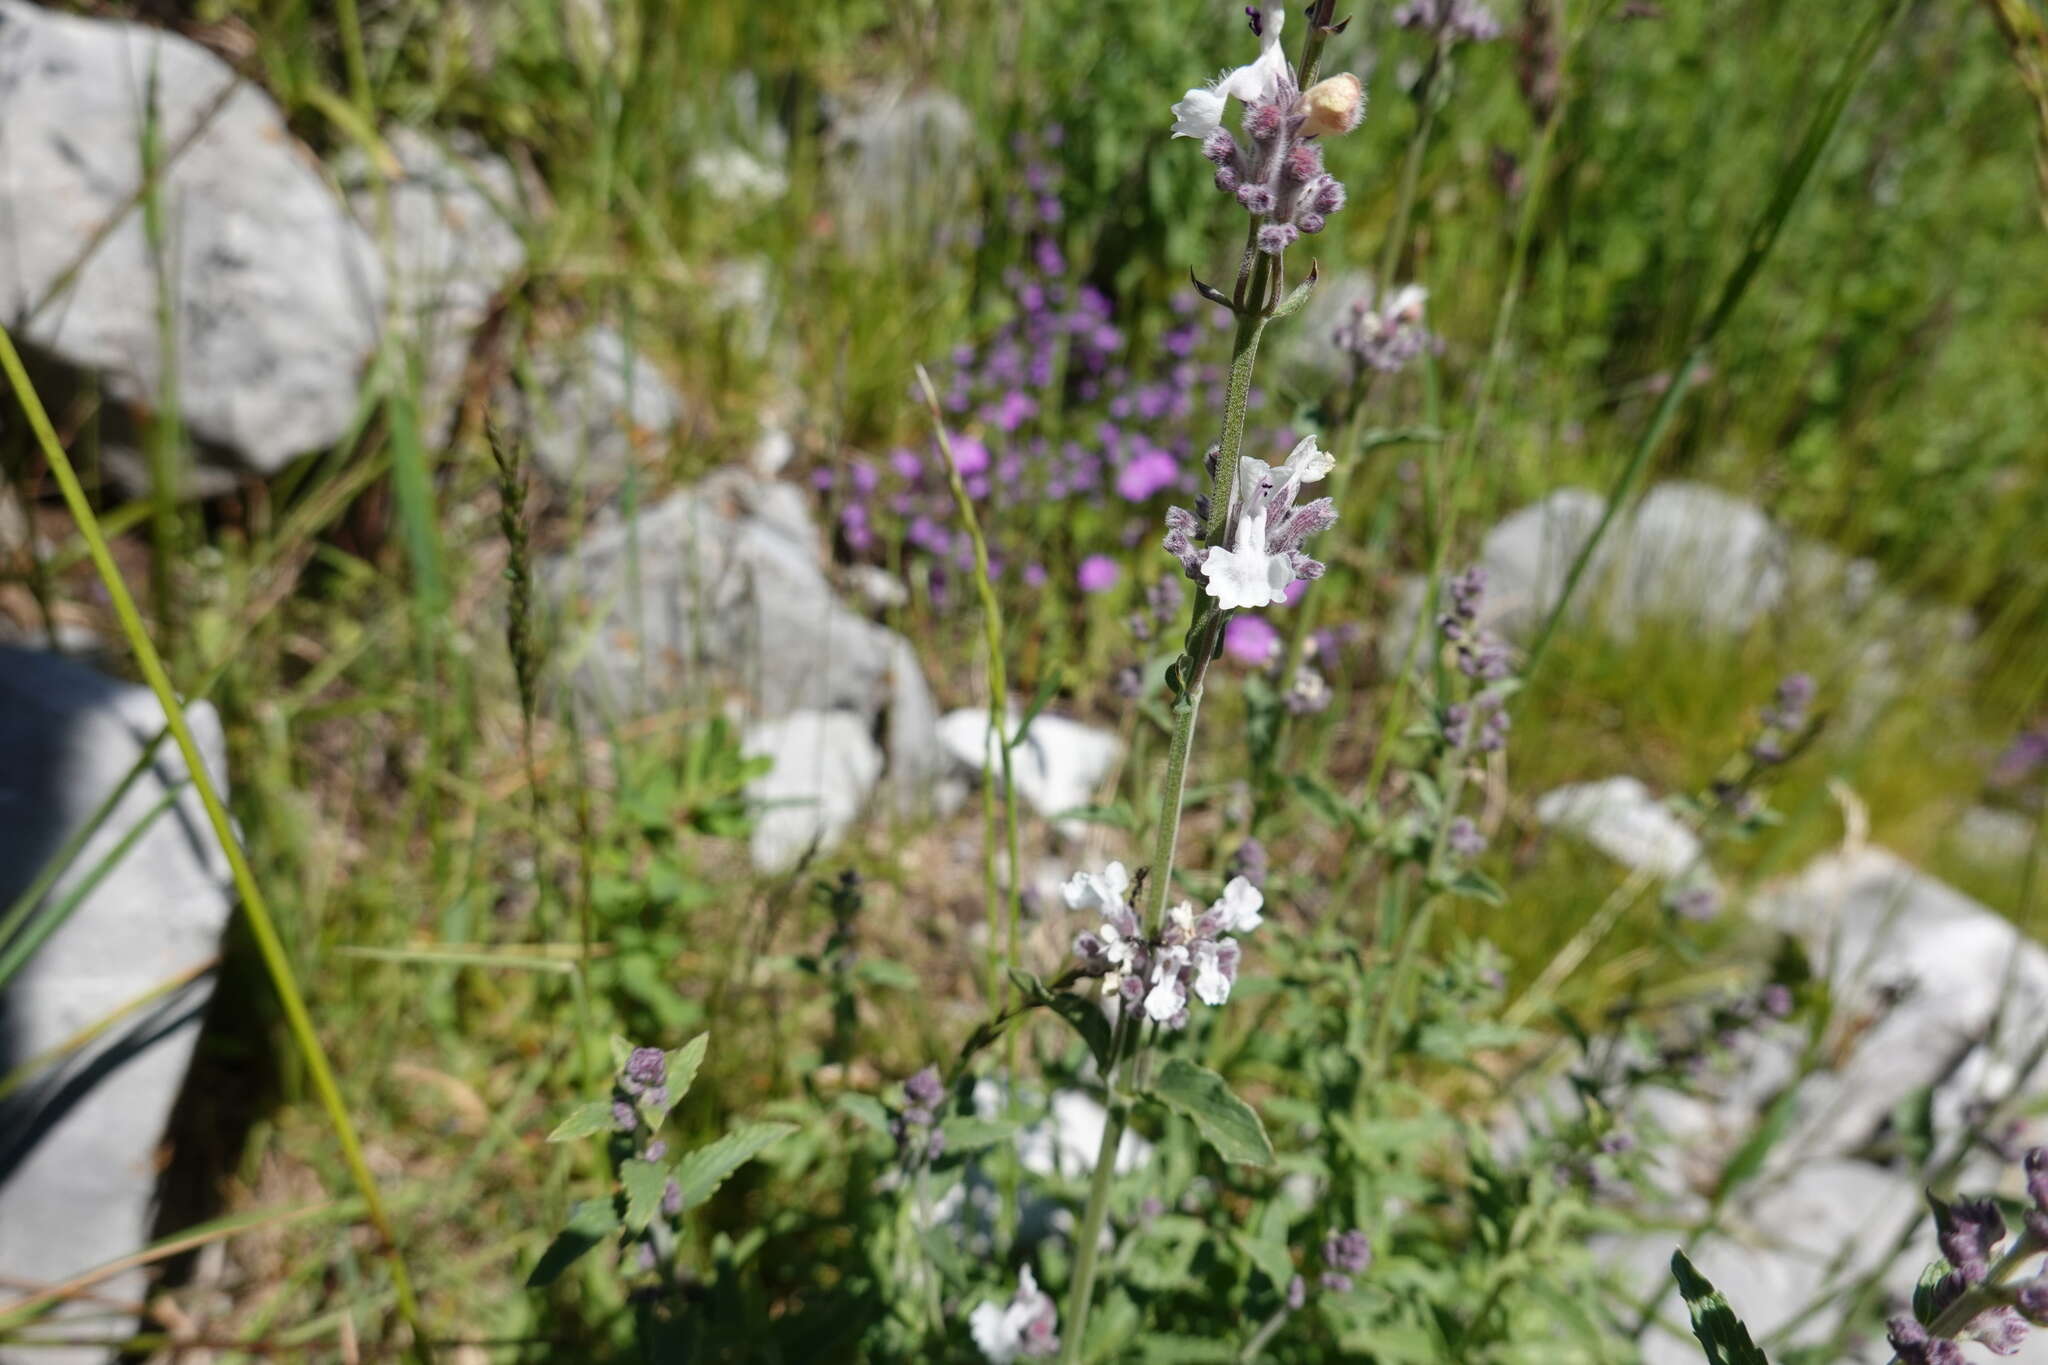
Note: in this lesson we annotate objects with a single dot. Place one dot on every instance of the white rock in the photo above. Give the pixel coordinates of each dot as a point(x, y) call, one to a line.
point(278, 291)
point(1686, 551)
point(1918, 971)
point(1065, 1143)
point(826, 767)
point(598, 402)
point(1058, 766)
point(727, 579)
point(79, 1144)
point(453, 247)
point(1619, 817)
point(1798, 1242)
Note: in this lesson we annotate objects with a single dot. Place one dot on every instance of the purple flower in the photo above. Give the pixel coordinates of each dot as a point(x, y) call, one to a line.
point(646, 1067)
point(1464, 839)
point(1297, 1294)
point(1349, 1252)
point(1148, 473)
point(1251, 640)
point(925, 1089)
point(970, 456)
point(1249, 862)
point(1098, 573)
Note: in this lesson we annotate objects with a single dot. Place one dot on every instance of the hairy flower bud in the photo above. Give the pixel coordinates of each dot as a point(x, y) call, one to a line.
point(1275, 238)
point(1227, 180)
point(1310, 223)
point(1334, 106)
point(1303, 163)
point(1255, 198)
point(1220, 147)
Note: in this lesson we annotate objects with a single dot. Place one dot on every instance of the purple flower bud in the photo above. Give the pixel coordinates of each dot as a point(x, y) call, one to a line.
point(1303, 163)
point(1275, 238)
point(624, 1117)
point(1255, 198)
point(1310, 222)
point(645, 1256)
point(671, 1199)
point(1464, 839)
point(1297, 1294)
point(1776, 1000)
point(2033, 1300)
point(925, 1088)
point(1220, 147)
point(1228, 180)
point(1336, 1283)
point(1968, 1229)
point(656, 1150)
point(1264, 120)
point(1329, 195)
point(645, 1066)
point(2037, 1177)
point(1350, 1252)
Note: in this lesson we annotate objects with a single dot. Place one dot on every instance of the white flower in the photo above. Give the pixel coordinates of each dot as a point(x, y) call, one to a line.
point(1246, 575)
point(1119, 950)
point(1168, 997)
point(1023, 1328)
point(1087, 891)
point(1212, 984)
point(1239, 906)
point(1307, 463)
point(1200, 111)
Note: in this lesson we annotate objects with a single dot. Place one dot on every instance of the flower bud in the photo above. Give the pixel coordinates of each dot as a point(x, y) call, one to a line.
point(1256, 198)
point(1303, 163)
point(1333, 106)
point(1220, 147)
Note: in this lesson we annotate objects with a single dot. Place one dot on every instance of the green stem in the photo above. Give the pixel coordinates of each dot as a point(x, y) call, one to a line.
point(1267, 1331)
point(262, 927)
point(1088, 1236)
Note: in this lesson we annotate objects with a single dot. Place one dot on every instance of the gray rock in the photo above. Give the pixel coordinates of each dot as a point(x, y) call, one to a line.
point(826, 767)
point(453, 248)
point(1798, 1243)
point(1920, 975)
point(1619, 817)
point(724, 584)
point(278, 292)
point(1058, 766)
point(596, 402)
point(1685, 551)
point(78, 1144)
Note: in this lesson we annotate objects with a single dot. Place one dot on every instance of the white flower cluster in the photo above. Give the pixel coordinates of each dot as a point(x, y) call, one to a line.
point(1193, 955)
point(1025, 1328)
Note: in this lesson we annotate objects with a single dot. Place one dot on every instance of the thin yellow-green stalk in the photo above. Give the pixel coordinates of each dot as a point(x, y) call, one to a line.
point(254, 905)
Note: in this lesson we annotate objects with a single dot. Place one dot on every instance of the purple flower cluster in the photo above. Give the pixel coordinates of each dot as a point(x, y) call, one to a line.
point(1492, 732)
point(645, 1076)
point(1481, 655)
point(1345, 1255)
point(1449, 20)
point(1969, 1232)
point(1784, 719)
point(1055, 411)
point(916, 1126)
point(1384, 333)
point(1194, 954)
point(2025, 756)
point(1280, 177)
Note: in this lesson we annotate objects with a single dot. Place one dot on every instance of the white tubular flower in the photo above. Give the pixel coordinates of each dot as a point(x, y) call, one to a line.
point(1025, 1328)
point(1246, 575)
point(1306, 463)
point(1200, 111)
point(1212, 983)
point(1120, 951)
point(1088, 891)
point(1168, 997)
point(1238, 909)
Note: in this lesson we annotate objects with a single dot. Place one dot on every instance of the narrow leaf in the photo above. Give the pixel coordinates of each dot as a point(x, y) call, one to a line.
point(1226, 1122)
point(704, 1170)
point(590, 1222)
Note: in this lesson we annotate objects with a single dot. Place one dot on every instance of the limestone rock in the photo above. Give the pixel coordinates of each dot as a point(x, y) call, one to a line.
point(825, 769)
point(78, 1144)
point(1619, 817)
point(277, 291)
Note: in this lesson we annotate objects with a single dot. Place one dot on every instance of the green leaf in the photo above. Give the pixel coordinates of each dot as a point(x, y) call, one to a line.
point(1325, 802)
point(584, 1120)
point(1085, 1017)
point(644, 1181)
point(1271, 1258)
point(1226, 1122)
point(866, 1108)
point(621, 1050)
point(704, 1170)
point(590, 1222)
point(966, 1133)
point(881, 971)
point(682, 1068)
point(1478, 886)
point(1713, 1321)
